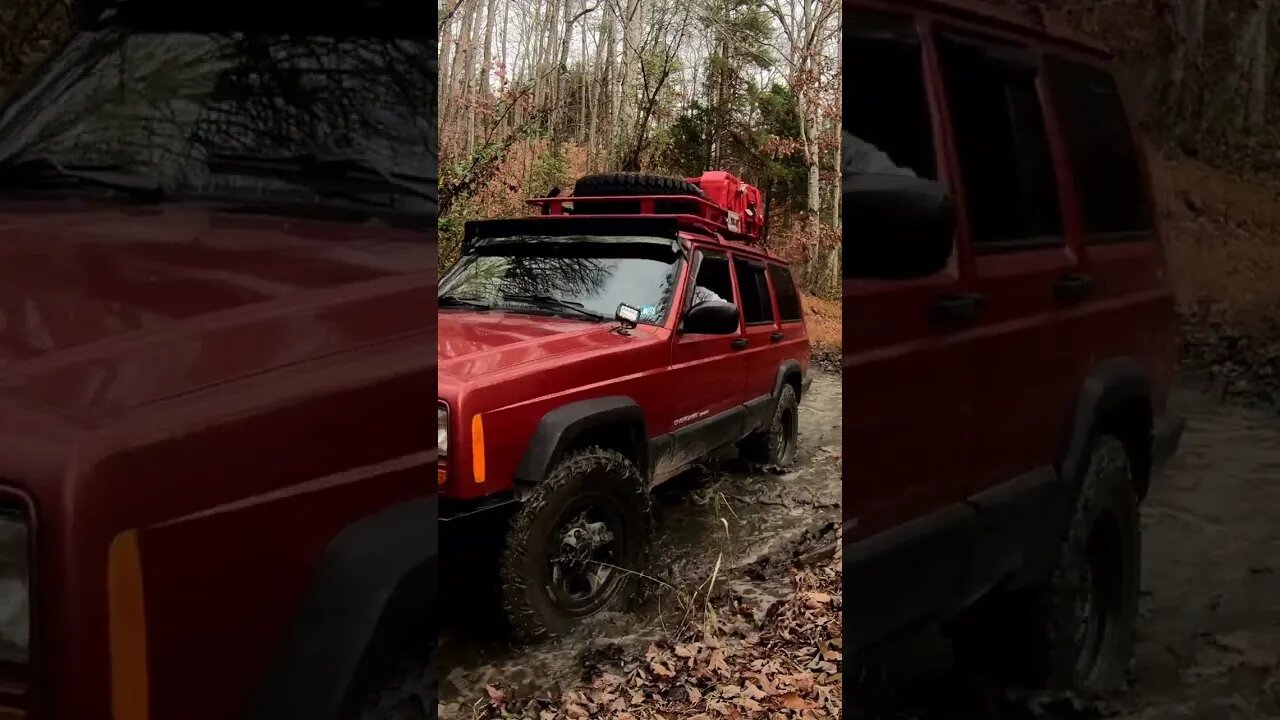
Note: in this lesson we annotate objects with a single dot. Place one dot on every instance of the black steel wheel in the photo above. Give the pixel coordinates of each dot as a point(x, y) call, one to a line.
point(577, 543)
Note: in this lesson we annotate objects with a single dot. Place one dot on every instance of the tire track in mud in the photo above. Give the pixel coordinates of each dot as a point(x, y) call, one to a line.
point(1209, 627)
point(751, 523)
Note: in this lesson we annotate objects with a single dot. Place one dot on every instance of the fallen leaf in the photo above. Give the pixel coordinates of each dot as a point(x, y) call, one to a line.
point(792, 701)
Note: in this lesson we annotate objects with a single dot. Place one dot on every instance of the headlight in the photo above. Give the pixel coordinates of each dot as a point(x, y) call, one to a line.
point(15, 606)
point(442, 429)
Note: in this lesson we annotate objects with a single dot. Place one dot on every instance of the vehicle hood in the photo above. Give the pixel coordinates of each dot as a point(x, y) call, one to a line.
point(476, 343)
point(104, 308)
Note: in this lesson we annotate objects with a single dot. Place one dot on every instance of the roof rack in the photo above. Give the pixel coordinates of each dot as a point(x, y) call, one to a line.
point(701, 212)
point(1034, 16)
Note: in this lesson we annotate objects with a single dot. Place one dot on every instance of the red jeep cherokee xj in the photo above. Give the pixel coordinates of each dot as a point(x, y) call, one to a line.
point(1010, 341)
point(216, 315)
point(593, 351)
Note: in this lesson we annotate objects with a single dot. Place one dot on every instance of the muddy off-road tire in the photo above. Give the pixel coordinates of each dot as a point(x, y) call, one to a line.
point(1075, 631)
point(576, 543)
point(408, 691)
point(612, 184)
point(623, 184)
point(776, 446)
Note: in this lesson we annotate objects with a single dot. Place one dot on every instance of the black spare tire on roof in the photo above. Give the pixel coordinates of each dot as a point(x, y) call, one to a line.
point(624, 184)
point(613, 184)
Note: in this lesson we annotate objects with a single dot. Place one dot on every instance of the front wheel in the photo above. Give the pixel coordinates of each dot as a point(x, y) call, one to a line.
point(577, 543)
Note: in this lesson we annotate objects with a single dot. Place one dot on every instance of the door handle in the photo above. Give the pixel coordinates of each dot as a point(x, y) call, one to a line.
point(949, 309)
point(1073, 288)
point(776, 337)
point(741, 344)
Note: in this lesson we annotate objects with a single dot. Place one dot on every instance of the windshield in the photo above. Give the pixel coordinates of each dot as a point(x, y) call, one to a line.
point(289, 120)
point(555, 275)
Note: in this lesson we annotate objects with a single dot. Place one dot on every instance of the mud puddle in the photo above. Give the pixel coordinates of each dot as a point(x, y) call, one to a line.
point(1209, 630)
point(719, 521)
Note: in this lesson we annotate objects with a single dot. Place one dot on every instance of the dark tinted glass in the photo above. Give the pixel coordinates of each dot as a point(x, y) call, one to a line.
point(784, 288)
point(284, 119)
point(885, 107)
point(1005, 161)
point(757, 307)
point(1104, 158)
point(713, 281)
point(566, 275)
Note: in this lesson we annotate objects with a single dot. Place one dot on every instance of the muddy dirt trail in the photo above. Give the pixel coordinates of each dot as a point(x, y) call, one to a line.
point(751, 523)
point(1209, 630)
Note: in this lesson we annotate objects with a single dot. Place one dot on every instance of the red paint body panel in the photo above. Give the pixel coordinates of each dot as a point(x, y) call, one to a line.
point(950, 412)
point(514, 368)
point(238, 388)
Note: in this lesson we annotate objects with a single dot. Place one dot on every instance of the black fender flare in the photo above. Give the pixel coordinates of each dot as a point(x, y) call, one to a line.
point(786, 370)
point(1112, 382)
point(558, 429)
point(383, 564)
point(1109, 384)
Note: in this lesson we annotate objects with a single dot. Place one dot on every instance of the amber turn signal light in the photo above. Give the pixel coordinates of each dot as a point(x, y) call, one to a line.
point(477, 449)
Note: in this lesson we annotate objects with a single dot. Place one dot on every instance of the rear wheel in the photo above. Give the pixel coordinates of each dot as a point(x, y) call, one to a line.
point(1075, 631)
point(576, 544)
point(776, 445)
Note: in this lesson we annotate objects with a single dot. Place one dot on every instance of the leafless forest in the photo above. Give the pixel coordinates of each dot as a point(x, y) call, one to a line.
point(535, 94)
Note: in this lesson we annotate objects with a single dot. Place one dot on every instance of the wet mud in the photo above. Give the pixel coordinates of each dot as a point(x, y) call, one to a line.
point(1209, 627)
point(723, 521)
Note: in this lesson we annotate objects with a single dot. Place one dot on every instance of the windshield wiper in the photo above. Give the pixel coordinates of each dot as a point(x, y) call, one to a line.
point(460, 301)
point(48, 174)
point(313, 170)
point(554, 303)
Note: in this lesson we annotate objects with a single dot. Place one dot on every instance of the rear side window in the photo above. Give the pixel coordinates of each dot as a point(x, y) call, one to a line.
point(998, 123)
point(757, 308)
point(784, 288)
point(886, 110)
point(1104, 157)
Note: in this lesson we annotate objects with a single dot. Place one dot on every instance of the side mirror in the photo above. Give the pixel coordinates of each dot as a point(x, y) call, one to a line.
point(896, 227)
point(711, 318)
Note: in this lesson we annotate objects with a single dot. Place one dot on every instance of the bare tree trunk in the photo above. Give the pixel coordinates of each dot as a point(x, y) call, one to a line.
point(813, 200)
point(601, 95)
point(1236, 99)
point(502, 43)
point(1188, 35)
point(484, 90)
point(835, 186)
point(585, 87)
point(551, 79)
point(446, 59)
point(471, 89)
point(631, 58)
point(562, 63)
point(486, 68)
point(1258, 81)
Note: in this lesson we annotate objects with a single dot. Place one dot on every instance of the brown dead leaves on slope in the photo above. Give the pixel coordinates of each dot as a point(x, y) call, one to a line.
point(786, 664)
